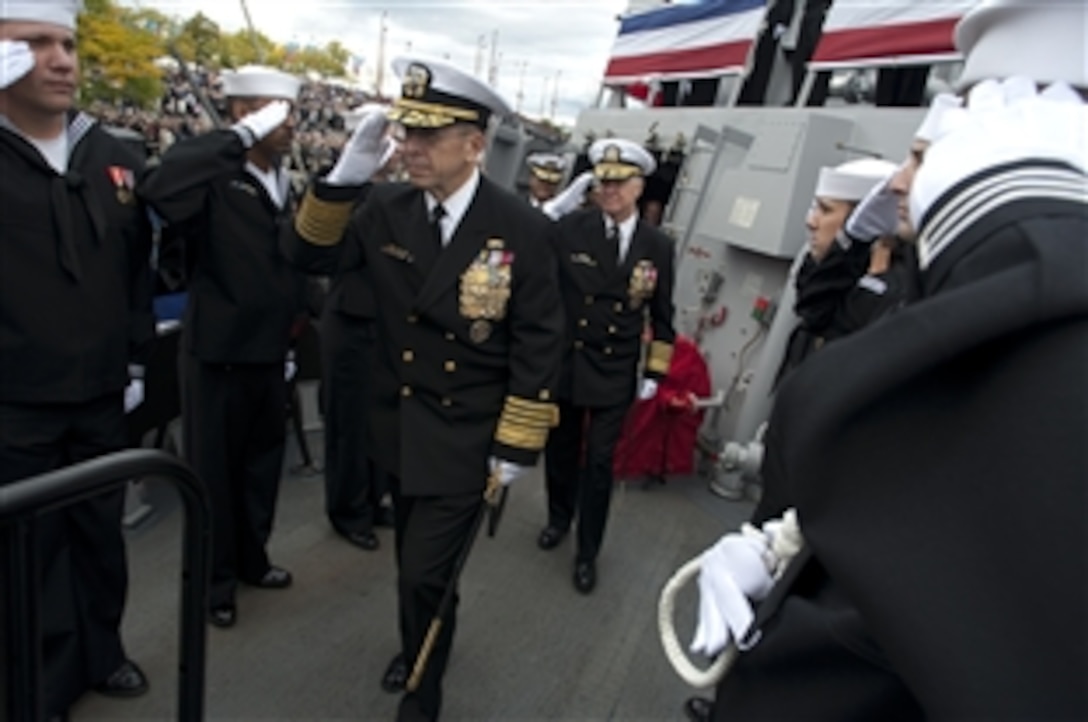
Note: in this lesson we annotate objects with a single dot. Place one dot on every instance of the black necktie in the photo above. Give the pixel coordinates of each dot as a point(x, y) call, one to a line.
point(611, 255)
point(437, 214)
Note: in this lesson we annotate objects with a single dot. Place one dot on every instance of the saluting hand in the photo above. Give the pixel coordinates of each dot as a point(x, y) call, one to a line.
point(367, 150)
point(260, 123)
point(876, 216)
point(16, 60)
point(570, 199)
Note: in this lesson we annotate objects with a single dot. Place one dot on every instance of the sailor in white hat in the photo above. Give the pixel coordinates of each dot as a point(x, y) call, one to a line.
point(616, 271)
point(243, 302)
point(82, 325)
point(546, 172)
point(1045, 41)
point(471, 333)
point(838, 191)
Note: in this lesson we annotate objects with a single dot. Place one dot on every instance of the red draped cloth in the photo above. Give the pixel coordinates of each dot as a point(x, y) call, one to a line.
point(660, 433)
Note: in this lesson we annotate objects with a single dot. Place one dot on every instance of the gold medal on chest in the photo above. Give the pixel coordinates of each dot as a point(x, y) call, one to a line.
point(479, 331)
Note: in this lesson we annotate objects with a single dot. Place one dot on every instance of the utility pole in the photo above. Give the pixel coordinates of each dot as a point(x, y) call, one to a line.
point(521, 83)
point(493, 67)
point(379, 68)
point(555, 93)
point(481, 43)
point(257, 49)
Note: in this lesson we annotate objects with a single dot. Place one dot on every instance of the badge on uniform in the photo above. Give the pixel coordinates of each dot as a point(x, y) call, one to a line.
point(643, 282)
point(485, 289)
point(124, 180)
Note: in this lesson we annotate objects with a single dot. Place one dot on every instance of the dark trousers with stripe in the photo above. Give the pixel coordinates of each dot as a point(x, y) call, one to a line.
point(81, 550)
point(578, 471)
point(431, 532)
point(234, 428)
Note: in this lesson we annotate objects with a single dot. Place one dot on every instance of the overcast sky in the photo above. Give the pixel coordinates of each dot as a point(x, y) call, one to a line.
point(539, 41)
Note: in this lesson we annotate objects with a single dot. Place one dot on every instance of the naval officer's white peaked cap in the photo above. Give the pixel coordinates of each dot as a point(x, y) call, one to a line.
point(54, 12)
point(259, 81)
point(548, 167)
point(1045, 40)
point(852, 180)
point(435, 94)
point(619, 159)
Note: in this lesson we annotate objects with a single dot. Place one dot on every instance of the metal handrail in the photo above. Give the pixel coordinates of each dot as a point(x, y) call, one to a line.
point(23, 501)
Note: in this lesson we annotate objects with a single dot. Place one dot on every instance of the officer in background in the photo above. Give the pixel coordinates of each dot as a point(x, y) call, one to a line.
point(469, 332)
point(75, 332)
point(545, 174)
point(354, 484)
point(934, 480)
point(616, 277)
point(229, 194)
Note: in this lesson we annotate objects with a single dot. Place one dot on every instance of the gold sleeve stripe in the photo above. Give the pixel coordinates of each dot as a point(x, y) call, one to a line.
point(322, 223)
point(660, 357)
point(524, 424)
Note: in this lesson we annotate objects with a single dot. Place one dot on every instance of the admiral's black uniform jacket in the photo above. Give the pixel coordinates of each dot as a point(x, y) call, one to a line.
point(468, 337)
point(607, 307)
point(75, 279)
point(938, 464)
point(243, 294)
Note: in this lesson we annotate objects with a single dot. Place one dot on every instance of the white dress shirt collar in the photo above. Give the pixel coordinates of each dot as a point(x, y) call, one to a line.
point(456, 205)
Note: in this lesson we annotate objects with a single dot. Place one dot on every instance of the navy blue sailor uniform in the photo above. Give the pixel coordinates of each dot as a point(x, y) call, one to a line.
point(608, 304)
point(469, 339)
point(75, 322)
point(243, 297)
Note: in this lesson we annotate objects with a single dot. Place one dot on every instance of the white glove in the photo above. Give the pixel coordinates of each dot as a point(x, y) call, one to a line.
point(134, 394)
point(290, 368)
point(647, 389)
point(506, 471)
point(16, 60)
point(1003, 122)
point(876, 216)
point(258, 124)
point(570, 199)
point(733, 571)
point(367, 150)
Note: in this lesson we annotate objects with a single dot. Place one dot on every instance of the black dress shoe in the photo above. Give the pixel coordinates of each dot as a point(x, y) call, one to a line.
point(363, 539)
point(223, 616)
point(698, 709)
point(128, 680)
point(274, 578)
point(550, 537)
point(585, 577)
point(396, 675)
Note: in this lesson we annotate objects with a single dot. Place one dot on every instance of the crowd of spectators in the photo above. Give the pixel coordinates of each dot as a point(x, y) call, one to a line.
point(320, 131)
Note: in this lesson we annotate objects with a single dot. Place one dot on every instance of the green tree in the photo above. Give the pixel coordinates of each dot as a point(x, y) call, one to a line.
point(117, 56)
point(199, 40)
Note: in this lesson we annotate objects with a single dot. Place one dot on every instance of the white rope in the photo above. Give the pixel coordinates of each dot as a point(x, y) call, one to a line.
point(784, 540)
point(674, 652)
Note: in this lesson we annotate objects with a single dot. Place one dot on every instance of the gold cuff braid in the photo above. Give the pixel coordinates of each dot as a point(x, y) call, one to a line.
point(660, 357)
point(322, 223)
point(524, 424)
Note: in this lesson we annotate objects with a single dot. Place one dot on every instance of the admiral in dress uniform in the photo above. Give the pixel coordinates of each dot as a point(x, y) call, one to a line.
point(228, 194)
point(469, 332)
point(616, 277)
point(75, 332)
point(936, 460)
